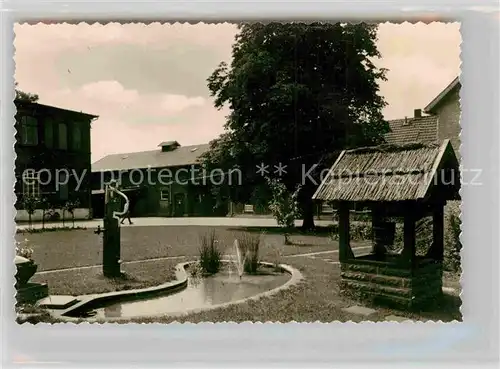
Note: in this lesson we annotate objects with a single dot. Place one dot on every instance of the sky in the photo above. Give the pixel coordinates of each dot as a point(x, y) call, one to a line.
point(147, 83)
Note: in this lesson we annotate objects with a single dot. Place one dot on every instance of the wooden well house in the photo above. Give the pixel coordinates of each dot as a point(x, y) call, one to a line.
point(399, 184)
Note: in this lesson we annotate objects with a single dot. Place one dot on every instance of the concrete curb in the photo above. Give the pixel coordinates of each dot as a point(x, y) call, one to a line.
point(88, 301)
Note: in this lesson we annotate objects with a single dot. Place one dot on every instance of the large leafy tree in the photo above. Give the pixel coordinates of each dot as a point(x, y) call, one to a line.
point(25, 96)
point(298, 93)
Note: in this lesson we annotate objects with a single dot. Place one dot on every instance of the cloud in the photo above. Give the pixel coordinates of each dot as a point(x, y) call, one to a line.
point(110, 92)
point(178, 103)
point(111, 99)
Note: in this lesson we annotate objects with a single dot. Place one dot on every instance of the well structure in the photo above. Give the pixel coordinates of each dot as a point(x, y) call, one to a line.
point(408, 182)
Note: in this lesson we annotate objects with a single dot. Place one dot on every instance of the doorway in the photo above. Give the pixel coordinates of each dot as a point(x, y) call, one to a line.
point(179, 204)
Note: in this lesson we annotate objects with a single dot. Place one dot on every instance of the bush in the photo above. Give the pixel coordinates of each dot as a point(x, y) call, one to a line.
point(357, 232)
point(453, 246)
point(249, 247)
point(424, 232)
point(210, 254)
point(283, 206)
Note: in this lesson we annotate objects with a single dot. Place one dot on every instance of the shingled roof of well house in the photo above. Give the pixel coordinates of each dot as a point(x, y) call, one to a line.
point(408, 130)
point(181, 156)
point(387, 173)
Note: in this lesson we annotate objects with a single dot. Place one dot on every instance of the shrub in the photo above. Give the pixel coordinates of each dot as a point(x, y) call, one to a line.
point(424, 232)
point(23, 249)
point(357, 231)
point(284, 206)
point(453, 246)
point(210, 254)
point(249, 246)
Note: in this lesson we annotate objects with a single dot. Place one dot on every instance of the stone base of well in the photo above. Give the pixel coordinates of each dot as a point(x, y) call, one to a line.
point(30, 293)
point(389, 283)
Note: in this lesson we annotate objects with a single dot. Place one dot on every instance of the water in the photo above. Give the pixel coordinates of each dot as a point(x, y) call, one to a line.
point(221, 288)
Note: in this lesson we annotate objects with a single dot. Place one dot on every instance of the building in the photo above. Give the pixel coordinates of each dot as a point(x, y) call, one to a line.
point(165, 182)
point(438, 121)
point(446, 107)
point(53, 163)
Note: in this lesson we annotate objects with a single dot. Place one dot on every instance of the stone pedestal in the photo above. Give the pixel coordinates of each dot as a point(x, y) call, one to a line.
point(30, 293)
point(26, 292)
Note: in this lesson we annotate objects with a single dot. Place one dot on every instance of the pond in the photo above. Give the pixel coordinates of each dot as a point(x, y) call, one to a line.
point(223, 287)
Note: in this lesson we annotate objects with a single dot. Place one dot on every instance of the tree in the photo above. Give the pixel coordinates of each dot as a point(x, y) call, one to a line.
point(70, 207)
point(45, 206)
point(296, 94)
point(25, 96)
point(30, 204)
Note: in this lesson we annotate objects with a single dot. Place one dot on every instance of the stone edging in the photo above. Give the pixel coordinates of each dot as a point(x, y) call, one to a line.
point(135, 294)
point(174, 286)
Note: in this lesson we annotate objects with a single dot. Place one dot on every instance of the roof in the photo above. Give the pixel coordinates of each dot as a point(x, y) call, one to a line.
point(442, 95)
point(181, 156)
point(388, 173)
point(50, 107)
point(404, 131)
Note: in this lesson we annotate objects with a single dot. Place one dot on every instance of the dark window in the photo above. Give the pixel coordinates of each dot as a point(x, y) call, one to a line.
point(63, 136)
point(77, 138)
point(49, 133)
point(63, 186)
point(29, 131)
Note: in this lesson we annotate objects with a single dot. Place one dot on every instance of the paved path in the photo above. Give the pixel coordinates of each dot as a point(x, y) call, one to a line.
point(183, 221)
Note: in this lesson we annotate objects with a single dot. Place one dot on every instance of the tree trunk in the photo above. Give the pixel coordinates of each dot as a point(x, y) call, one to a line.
point(307, 207)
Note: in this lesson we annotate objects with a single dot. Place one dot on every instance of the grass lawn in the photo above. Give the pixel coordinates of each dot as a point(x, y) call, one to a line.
point(316, 298)
point(59, 250)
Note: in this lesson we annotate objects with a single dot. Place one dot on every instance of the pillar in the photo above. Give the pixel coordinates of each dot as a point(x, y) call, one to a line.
point(111, 237)
point(345, 251)
point(408, 253)
point(437, 249)
point(378, 229)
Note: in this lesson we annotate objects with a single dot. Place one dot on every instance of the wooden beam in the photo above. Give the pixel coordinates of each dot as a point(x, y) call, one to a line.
point(345, 251)
point(408, 253)
point(436, 251)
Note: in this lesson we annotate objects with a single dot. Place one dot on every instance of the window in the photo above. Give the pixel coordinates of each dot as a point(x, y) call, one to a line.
point(31, 184)
point(63, 136)
point(63, 186)
point(48, 134)
point(165, 195)
point(29, 131)
point(77, 138)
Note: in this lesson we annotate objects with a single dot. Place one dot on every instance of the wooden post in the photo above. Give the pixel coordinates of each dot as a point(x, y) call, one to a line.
point(345, 251)
point(377, 229)
point(408, 253)
point(436, 251)
point(111, 237)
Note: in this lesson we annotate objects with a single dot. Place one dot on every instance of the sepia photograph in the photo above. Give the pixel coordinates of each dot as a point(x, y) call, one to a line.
point(223, 172)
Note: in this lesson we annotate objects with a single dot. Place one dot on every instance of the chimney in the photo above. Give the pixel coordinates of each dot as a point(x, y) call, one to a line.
point(417, 113)
point(169, 146)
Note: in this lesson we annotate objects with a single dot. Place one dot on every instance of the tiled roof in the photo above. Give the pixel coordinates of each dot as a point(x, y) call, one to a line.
point(388, 173)
point(181, 156)
point(403, 131)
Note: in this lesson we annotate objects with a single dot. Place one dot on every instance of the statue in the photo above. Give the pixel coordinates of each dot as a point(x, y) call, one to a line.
point(111, 232)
